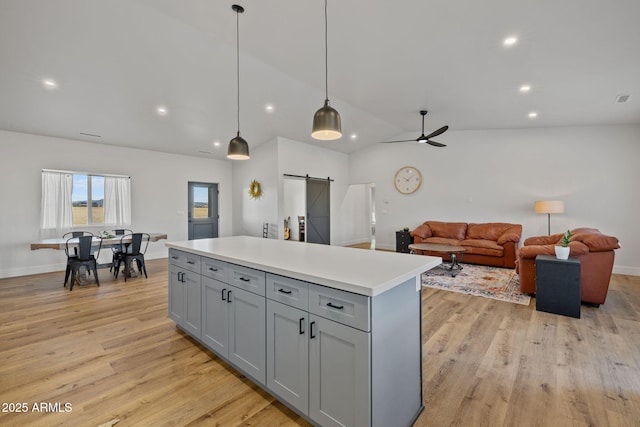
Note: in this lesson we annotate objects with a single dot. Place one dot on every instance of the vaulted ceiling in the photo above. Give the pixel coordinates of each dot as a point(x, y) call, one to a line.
point(116, 61)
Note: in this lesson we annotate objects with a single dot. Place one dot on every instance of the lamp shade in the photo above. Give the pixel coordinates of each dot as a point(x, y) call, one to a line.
point(238, 149)
point(549, 206)
point(326, 123)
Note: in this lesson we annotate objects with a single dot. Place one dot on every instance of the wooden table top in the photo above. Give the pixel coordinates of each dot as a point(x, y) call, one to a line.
point(60, 243)
point(437, 247)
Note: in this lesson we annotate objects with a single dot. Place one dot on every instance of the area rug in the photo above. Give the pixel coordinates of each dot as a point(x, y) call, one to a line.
point(490, 282)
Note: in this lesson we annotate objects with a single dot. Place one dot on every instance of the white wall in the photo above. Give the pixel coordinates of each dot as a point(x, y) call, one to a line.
point(158, 185)
point(497, 175)
point(250, 214)
point(294, 203)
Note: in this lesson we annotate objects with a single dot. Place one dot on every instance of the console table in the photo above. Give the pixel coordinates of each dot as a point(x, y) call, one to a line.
point(332, 332)
point(558, 285)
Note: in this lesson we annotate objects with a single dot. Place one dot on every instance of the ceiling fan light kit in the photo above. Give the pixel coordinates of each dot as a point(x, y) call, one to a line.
point(327, 125)
point(238, 148)
point(422, 139)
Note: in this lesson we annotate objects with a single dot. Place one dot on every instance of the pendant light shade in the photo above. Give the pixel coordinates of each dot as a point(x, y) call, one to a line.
point(326, 122)
point(238, 148)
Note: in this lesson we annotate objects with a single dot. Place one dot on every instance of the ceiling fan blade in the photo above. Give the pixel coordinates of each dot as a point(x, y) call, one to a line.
point(440, 131)
point(403, 140)
point(435, 144)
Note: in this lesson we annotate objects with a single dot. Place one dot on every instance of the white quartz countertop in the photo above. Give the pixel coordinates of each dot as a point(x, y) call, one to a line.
point(359, 271)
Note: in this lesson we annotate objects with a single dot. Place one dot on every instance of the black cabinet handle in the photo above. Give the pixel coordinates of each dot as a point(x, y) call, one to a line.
point(244, 279)
point(180, 278)
point(301, 325)
point(223, 291)
point(174, 257)
point(191, 262)
point(311, 334)
point(213, 269)
point(337, 307)
point(284, 291)
point(229, 297)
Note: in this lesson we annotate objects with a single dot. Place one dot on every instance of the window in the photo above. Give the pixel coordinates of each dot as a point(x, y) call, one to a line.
point(73, 199)
point(88, 199)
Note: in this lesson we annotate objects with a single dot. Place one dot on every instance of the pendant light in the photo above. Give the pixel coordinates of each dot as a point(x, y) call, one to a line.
point(238, 148)
point(326, 121)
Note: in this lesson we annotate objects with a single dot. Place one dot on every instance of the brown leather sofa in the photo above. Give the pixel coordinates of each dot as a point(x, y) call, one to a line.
point(492, 243)
point(594, 250)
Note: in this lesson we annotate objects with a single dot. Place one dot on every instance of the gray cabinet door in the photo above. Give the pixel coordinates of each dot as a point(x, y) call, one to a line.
point(339, 374)
point(288, 354)
point(193, 303)
point(247, 332)
point(176, 295)
point(215, 309)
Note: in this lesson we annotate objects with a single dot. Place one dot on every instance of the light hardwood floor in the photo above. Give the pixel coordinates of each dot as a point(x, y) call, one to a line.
point(113, 354)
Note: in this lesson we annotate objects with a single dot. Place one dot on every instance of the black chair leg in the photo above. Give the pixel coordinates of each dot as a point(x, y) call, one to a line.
point(95, 273)
point(73, 278)
point(66, 275)
point(144, 268)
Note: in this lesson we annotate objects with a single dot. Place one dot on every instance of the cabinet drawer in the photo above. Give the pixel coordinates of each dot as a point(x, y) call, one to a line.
point(341, 306)
point(288, 291)
point(247, 278)
point(185, 260)
point(215, 269)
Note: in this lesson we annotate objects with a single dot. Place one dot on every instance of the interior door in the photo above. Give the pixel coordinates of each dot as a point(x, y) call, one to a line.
point(318, 221)
point(203, 210)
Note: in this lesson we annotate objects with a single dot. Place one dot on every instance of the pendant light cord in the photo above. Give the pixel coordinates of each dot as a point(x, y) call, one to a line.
point(326, 54)
point(238, 63)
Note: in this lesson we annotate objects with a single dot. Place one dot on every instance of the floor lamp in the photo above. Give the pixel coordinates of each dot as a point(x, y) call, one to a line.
point(549, 207)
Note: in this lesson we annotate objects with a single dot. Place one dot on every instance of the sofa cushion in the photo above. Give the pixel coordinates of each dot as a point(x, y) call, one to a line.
point(449, 230)
point(487, 231)
point(479, 243)
point(422, 231)
point(442, 241)
point(597, 242)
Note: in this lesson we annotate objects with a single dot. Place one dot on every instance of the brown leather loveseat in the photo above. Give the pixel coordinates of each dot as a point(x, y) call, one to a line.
point(492, 243)
point(594, 250)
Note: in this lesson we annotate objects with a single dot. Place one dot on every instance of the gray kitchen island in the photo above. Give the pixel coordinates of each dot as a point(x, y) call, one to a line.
point(332, 332)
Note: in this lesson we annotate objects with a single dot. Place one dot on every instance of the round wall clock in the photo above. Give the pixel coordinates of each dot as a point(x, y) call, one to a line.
point(255, 192)
point(407, 180)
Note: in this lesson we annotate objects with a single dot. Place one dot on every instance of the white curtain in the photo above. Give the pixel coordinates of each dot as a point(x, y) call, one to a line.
point(117, 200)
point(56, 214)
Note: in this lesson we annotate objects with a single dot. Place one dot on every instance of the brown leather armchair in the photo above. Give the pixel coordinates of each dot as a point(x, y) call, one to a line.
point(594, 250)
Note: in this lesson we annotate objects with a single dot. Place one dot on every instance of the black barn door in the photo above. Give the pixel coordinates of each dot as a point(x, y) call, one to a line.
point(318, 221)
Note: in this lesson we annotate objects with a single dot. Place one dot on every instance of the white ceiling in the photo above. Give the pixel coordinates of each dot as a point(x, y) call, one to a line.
point(115, 61)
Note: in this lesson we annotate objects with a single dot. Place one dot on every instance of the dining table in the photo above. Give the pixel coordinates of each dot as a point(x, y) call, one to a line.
point(111, 241)
point(107, 242)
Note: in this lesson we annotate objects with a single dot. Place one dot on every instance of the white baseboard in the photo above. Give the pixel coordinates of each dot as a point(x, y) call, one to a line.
point(629, 271)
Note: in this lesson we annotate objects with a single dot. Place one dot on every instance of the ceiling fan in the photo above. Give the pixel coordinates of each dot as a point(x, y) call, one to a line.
point(426, 139)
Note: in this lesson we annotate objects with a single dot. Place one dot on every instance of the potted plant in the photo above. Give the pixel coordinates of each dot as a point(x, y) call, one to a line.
point(562, 250)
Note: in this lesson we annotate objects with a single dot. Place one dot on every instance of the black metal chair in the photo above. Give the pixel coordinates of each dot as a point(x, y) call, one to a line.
point(72, 234)
point(132, 248)
point(88, 251)
point(116, 249)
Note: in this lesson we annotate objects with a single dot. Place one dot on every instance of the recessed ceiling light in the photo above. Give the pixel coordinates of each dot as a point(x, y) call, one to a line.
point(269, 108)
point(50, 84)
point(216, 143)
point(354, 136)
point(510, 41)
point(533, 115)
point(525, 88)
point(162, 110)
